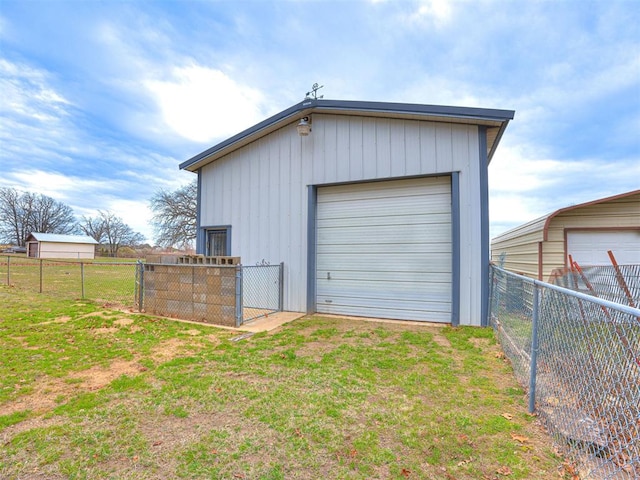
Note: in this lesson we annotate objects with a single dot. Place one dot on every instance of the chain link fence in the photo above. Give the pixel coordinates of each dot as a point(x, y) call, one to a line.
point(261, 290)
point(579, 358)
point(619, 284)
point(227, 295)
point(109, 283)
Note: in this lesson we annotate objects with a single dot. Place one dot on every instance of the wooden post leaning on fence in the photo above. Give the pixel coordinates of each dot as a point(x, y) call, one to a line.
point(620, 334)
point(621, 280)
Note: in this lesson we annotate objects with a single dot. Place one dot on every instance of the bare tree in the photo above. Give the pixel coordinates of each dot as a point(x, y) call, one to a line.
point(174, 216)
point(111, 231)
point(24, 212)
point(51, 216)
point(93, 227)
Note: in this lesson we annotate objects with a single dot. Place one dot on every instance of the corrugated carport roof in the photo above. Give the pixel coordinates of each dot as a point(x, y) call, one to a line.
point(541, 225)
point(495, 120)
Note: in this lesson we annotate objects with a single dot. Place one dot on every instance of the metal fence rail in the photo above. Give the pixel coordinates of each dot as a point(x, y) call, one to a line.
point(107, 282)
point(579, 358)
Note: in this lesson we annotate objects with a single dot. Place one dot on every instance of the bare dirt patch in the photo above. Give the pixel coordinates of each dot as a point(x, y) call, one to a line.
point(48, 392)
point(192, 332)
point(123, 321)
point(105, 330)
point(62, 319)
point(97, 377)
point(36, 422)
point(441, 340)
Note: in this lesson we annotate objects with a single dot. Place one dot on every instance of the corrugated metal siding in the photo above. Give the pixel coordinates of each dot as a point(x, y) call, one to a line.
point(261, 189)
point(520, 253)
point(384, 249)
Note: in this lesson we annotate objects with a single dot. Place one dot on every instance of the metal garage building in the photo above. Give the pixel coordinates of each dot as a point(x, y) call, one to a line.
point(379, 210)
point(52, 245)
point(586, 232)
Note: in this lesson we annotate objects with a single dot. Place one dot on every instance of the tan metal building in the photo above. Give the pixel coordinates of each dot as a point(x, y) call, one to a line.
point(585, 231)
point(51, 245)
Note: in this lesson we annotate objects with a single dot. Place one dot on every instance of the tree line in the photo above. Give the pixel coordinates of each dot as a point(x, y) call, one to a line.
point(173, 221)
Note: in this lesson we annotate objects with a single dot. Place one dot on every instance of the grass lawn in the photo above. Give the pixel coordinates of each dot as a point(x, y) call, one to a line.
point(92, 393)
point(105, 280)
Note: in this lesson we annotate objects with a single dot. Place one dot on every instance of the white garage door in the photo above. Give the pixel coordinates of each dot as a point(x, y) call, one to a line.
point(384, 249)
point(590, 247)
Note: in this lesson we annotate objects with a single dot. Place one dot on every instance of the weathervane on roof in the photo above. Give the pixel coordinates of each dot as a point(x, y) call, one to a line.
point(314, 92)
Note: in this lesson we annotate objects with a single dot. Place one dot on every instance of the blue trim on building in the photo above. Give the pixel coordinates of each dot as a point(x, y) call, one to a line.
point(200, 240)
point(455, 248)
point(484, 225)
point(312, 198)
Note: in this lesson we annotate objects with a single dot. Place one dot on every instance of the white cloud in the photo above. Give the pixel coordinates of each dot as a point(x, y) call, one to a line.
point(26, 92)
point(136, 214)
point(432, 12)
point(201, 103)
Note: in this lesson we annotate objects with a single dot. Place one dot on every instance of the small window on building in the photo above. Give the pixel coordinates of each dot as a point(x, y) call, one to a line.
point(218, 242)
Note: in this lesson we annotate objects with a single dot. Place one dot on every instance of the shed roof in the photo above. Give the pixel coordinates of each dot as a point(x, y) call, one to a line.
point(58, 238)
point(495, 120)
point(541, 225)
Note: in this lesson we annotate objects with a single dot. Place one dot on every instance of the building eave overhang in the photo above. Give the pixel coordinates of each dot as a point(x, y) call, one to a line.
point(495, 120)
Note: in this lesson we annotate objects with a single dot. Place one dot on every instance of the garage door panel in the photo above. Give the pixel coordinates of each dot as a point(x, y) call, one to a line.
point(395, 276)
point(438, 187)
point(443, 315)
point(381, 207)
point(390, 219)
point(381, 248)
point(365, 262)
point(387, 249)
point(406, 234)
point(590, 247)
point(383, 289)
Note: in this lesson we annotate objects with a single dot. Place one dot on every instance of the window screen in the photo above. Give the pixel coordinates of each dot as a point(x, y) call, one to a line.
point(217, 242)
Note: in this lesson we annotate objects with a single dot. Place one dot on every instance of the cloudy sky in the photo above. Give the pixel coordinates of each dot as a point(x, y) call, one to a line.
point(101, 100)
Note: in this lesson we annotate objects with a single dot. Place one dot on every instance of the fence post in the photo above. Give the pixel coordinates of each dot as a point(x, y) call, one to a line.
point(239, 313)
point(40, 275)
point(534, 350)
point(491, 309)
point(8, 270)
point(82, 278)
point(140, 277)
point(281, 288)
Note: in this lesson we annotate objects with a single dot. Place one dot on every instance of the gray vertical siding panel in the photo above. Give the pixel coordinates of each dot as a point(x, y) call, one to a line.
point(356, 150)
point(343, 150)
point(383, 149)
point(428, 161)
point(412, 147)
point(444, 154)
point(397, 150)
point(369, 147)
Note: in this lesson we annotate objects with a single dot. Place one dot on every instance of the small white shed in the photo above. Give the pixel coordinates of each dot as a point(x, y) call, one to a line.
point(376, 209)
point(52, 245)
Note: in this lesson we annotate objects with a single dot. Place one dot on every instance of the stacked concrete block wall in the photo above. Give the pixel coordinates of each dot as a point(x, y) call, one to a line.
point(201, 293)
